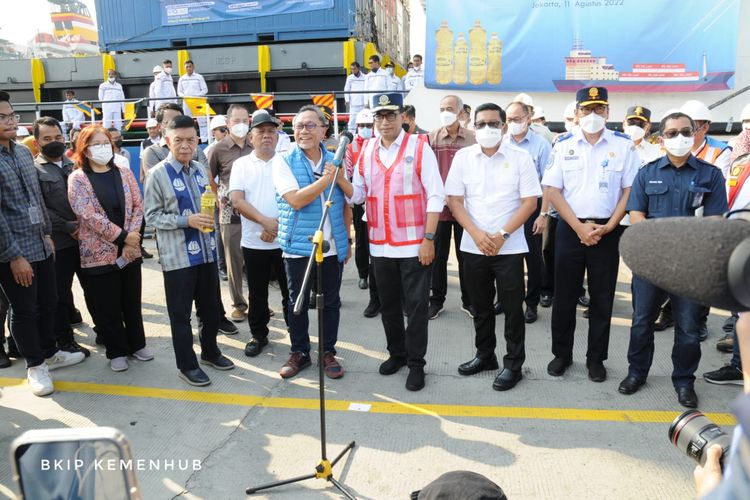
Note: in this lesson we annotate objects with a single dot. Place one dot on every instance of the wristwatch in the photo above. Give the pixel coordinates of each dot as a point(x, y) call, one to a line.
point(505, 234)
point(544, 214)
point(429, 236)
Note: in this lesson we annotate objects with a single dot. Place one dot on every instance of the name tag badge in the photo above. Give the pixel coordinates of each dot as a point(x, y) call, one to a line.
point(35, 215)
point(697, 200)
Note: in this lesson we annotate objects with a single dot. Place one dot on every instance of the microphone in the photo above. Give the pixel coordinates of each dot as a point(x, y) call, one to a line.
point(704, 260)
point(344, 139)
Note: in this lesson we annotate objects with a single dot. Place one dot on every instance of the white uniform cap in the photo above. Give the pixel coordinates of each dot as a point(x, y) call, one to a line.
point(524, 98)
point(745, 112)
point(151, 123)
point(22, 132)
point(218, 121)
point(157, 69)
point(538, 113)
point(697, 111)
point(364, 116)
point(570, 110)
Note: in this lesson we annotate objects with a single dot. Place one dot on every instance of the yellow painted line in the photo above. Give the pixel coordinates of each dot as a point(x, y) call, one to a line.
point(392, 407)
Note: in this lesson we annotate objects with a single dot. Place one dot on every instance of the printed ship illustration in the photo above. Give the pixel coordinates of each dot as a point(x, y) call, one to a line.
point(582, 69)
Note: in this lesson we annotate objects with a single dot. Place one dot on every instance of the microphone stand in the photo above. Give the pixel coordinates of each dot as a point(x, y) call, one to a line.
point(324, 468)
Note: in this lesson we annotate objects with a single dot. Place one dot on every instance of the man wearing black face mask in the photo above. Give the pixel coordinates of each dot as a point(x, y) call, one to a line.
point(117, 139)
point(53, 169)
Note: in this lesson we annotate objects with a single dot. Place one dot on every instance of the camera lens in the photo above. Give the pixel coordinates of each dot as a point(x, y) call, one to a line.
point(693, 433)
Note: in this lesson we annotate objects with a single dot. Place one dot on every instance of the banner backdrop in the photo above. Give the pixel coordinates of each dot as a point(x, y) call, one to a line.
point(563, 45)
point(175, 12)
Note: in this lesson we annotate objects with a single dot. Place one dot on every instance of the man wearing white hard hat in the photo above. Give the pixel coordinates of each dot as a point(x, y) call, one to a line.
point(154, 134)
point(716, 152)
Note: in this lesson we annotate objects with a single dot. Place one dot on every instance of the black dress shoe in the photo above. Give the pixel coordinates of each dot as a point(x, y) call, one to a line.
point(255, 347)
point(545, 300)
point(477, 365)
point(4, 359)
point(584, 301)
point(227, 327)
point(76, 318)
point(13, 350)
point(73, 346)
point(630, 385)
point(507, 379)
point(220, 363)
point(391, 365)
point(498, 308)
point(362, 283)
point(557, 366)
point(195, 377)
point(687, 397)
point(597, 372)
point(531, 315)
point(664, 321)
point(372, 309)
point(415, 379)
point(145, 254)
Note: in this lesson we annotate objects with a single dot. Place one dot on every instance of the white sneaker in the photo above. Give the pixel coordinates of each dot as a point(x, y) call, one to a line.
point(39, 380)
point(61, 359)
point(119, 364)
point(144, 354)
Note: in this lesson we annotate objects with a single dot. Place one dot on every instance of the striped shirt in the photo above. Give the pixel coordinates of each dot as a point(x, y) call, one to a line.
point(163, 213)
point(23, 215)
point(445, 149)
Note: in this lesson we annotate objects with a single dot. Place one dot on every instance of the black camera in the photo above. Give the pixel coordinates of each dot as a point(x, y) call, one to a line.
point(693, 433)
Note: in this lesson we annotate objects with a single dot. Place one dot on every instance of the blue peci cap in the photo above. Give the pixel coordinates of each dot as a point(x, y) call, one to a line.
point(390, 102)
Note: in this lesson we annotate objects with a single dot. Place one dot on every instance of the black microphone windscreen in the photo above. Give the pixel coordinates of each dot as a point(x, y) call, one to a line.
point(686, 256)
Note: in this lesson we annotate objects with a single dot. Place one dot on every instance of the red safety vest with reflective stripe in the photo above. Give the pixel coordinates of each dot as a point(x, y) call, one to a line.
point(396, 202)
point(737, 177)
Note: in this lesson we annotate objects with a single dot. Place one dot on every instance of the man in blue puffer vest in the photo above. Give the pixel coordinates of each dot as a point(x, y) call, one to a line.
point(302, 177)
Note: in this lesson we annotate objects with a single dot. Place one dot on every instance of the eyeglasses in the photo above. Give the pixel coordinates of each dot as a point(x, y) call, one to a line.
point(521, 119)
point(672, 133)
point(599, 109)
point(481, 125)
point(306, 126)
point(8, 118)
point(379, 117)
point(636, 122)
point(223, 130)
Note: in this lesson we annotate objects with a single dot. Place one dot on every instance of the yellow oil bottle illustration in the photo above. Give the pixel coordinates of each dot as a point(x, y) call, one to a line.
point(460, 58)
point(443, 54)
point(494, 60)
point(478, 54)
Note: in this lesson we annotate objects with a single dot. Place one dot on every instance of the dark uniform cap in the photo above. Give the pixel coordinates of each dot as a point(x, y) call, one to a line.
point(460, 484)
point(591, 95)
point(389, 102)
point(639, 113)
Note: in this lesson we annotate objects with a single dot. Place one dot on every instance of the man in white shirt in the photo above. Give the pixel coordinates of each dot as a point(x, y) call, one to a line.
point(303, 177)
point(192, 84)
point(354, 102)
point(415, 76)
point(72, 116)
point(111, 90)
point(253, 194)
point(492, 190)
point(163, 87)
point(402, 217)
point(588, 183)
point(376, 81)
point(394, 82)
point(153, 105)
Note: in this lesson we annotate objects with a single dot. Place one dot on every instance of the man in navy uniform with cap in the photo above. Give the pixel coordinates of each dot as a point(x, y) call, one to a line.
point(397, 173)
point(588, 182)
point(637, 125)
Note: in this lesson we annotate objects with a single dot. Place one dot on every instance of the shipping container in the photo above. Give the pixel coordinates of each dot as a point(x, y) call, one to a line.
point(136, 25)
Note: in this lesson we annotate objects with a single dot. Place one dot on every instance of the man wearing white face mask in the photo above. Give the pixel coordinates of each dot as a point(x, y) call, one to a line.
point(588, 183)
point(637, 125)
point(394, 82)
point(492, 191)
point(111, 90)
point(163, 87)
point(445, 142)
point(676, 185)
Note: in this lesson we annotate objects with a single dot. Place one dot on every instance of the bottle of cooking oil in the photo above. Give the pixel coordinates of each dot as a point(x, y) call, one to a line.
point(443, 54)
point(460, 59)
point(208, 205)
point(494, 60)
point(478, 54)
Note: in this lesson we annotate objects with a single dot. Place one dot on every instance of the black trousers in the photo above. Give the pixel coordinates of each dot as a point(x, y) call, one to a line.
point(534, 261)
point(440, 266)
point(483, 272)
point(32, 311)
point(548, 255)
point(260, 265)
point(362, 251)
point(115, 299)
point(601, 263)
point(182, 287)
point(67, 264)
point(404, 286)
